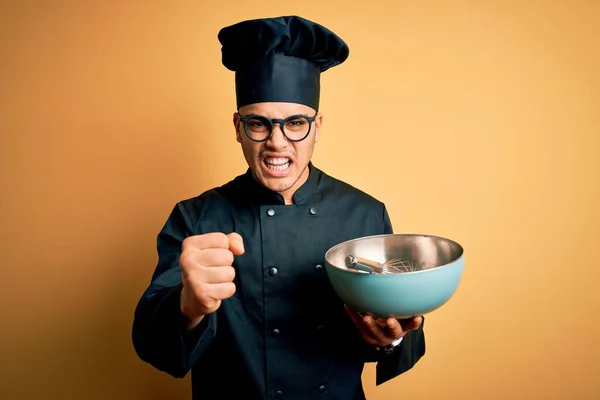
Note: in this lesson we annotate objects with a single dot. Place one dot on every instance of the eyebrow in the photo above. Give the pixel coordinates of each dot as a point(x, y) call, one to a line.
point(263, 115)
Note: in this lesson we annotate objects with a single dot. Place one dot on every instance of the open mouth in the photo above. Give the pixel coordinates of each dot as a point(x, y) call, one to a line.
point(277, 164)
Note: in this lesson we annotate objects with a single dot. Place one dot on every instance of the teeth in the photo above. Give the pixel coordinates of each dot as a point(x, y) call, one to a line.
point(278, 164)
point(277, 161)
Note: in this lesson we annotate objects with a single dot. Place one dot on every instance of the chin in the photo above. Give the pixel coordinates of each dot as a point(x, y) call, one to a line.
point(278, 180)
point(278, 185)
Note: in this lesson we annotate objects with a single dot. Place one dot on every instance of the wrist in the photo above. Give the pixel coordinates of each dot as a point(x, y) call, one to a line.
point(391, 348)
point(190, 320)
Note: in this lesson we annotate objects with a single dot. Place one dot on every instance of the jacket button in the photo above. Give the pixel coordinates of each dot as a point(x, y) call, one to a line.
point(318, 268)
point(320, 327)
point(270, 212)
point(322, 389)
point(312, 211)
point(273, 271)
point(279, 394)
point(276, 331)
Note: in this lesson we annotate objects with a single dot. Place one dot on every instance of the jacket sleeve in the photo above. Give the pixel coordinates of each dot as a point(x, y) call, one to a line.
point(158, 333)
point(408, 352)
point(405, 356)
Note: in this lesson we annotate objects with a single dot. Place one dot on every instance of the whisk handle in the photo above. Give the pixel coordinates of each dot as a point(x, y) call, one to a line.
point(363, 264)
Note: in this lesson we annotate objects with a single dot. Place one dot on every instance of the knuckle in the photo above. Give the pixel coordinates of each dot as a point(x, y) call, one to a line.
point(185, 259)
point(187, 242)
point(216, 257)
point(230, 273)
point(192, 242)
point(227, 257)
point(236, 237)
point(220, 239)
point(232, 289)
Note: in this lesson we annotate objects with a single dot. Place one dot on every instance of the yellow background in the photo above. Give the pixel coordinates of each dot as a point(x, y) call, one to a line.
point(473, 120)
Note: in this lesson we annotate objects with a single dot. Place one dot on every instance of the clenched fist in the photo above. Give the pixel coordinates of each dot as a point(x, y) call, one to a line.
point(207, 273)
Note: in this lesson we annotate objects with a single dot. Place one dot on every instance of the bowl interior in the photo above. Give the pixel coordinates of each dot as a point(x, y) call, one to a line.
point(426, 251)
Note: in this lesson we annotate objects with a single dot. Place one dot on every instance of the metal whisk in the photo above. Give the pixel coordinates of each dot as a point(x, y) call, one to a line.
point(393, 266)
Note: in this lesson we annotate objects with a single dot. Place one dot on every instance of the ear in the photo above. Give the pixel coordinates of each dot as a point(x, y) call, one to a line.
point(318, 125)
point(236, 121)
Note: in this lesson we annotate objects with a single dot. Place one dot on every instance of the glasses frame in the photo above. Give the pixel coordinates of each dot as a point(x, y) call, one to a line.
point(281, 122)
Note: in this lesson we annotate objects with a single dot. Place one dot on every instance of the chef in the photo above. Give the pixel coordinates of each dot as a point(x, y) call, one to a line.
point(239, 295)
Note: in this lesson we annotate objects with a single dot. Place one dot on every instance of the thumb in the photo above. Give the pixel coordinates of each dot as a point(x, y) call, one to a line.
point(236, 243)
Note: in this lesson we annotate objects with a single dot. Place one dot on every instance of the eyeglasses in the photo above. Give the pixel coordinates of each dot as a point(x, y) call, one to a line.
point(259, 128)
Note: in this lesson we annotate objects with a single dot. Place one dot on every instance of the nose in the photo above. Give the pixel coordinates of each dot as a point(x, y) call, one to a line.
point(277, 140)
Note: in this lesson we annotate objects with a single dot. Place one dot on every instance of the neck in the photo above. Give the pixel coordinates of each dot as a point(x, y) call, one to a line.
point(288, 195)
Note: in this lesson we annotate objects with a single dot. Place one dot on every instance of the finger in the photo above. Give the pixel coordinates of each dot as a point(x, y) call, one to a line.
point(220, 291)
point(191, 258)
point(394, 329)
point(214, 257)
point(207, 241)
point(382, 322)
point(411, 324)
point(360, 324)
point(374, 329)
point(353, 315)
point(236, 243)
point(215, 274)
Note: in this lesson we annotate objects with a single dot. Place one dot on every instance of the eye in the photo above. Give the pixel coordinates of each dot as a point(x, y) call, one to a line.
point(255, 123)
point(258, 124)
point(296, 122)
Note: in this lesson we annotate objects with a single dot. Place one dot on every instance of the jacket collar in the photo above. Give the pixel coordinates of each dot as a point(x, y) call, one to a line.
point(303, 195)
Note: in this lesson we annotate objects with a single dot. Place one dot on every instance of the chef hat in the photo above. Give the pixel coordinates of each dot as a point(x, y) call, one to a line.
point(280, 59)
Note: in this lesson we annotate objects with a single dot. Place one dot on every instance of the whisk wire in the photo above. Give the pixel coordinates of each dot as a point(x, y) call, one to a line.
point(392, 266)
point(401, 265)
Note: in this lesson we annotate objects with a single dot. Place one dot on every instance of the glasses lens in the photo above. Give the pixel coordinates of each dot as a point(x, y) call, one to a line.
point(258, 128)
point(297, 127)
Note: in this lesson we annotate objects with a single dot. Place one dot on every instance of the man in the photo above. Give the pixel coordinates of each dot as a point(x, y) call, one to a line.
point(240, 296)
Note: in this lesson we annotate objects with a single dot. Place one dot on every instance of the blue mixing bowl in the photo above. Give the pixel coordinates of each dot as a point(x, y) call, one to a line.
point(433, 276)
